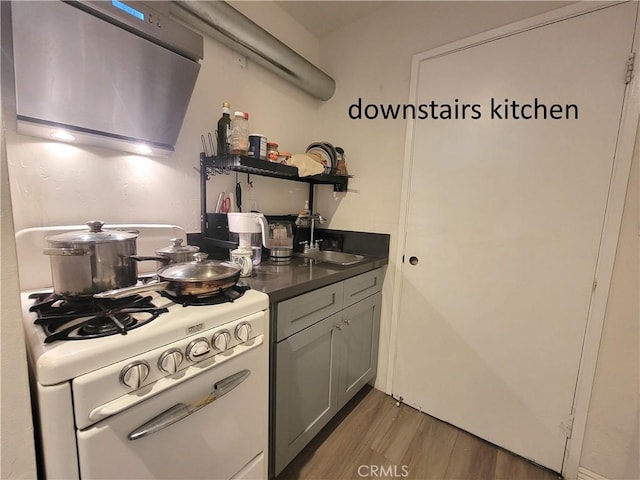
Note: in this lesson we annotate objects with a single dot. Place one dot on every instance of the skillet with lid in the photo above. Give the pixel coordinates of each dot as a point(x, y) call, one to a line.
point(200, 277)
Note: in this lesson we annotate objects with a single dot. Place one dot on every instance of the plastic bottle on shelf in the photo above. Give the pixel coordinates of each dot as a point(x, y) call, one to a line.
point(239, 141)
point(304, 220)
point(224, 131)
point(305, 212)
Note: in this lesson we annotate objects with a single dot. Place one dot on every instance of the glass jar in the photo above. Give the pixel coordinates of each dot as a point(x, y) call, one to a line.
point(272, 151)
point(239, 141)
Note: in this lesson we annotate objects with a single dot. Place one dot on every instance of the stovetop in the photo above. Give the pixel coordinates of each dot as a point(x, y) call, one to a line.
point(55, 360)
point(84, 318)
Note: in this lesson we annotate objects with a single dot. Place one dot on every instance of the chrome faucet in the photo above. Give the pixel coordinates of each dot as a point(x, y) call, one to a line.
point(314, 245)
point(310, 221)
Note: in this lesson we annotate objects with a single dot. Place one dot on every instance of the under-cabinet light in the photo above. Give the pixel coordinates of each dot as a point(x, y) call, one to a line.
point(63, 136)
point(80, 137)
point(143, 149)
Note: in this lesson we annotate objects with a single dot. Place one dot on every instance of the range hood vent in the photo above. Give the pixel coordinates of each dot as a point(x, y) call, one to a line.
point(112, 74)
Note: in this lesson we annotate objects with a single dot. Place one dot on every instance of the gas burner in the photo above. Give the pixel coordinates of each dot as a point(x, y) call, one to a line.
point(101, 326)
point(221, 296)
point(69, 318)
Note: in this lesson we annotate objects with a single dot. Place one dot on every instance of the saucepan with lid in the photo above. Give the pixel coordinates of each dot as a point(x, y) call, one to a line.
point(200, 277)
point(176, 252)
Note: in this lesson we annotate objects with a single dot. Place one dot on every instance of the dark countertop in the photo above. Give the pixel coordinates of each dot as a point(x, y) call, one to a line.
point(282, 281)
point(301, 276)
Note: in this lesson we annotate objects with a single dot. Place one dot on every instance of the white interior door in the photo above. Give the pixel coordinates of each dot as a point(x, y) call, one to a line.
point(505, 219)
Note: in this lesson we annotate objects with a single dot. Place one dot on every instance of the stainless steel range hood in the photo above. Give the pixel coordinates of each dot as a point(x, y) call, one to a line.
point(109, 73)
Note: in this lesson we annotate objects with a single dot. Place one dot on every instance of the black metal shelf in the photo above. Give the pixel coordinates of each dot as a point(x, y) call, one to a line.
point(211, 166)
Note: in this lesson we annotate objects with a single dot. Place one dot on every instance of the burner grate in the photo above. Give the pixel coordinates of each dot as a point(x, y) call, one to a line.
point(219, 296)
point(65, 318)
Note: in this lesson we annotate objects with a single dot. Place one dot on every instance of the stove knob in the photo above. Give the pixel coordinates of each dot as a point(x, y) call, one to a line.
point(243, 331)
point(170, 360)
point(134, 374)
point(221, 340)
point(198, 349)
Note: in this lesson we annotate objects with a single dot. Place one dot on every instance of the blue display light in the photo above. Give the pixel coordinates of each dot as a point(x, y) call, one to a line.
point(127, 9)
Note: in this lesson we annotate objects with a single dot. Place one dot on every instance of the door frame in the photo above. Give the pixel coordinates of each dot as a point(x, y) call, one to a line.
point(611, 225)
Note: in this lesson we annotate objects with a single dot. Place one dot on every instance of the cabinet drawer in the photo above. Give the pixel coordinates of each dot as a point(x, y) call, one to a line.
point(305, 310)
point(362, 286)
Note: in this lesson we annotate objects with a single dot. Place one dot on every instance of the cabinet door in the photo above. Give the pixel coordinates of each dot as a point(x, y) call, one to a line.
point(306, 395)
point(359, 345)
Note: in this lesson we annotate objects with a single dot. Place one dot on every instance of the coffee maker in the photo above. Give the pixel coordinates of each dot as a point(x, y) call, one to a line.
point(253, 231)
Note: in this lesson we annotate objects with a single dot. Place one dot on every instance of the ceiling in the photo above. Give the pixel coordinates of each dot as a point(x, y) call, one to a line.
point(322, 17)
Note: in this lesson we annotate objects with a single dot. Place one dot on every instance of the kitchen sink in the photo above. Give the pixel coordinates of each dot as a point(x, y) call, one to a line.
point(337, 258)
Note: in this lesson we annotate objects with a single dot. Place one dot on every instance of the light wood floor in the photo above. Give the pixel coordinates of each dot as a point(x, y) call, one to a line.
point(373, 438)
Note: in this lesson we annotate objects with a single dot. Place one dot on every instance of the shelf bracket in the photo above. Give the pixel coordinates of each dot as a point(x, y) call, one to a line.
point(203, 193)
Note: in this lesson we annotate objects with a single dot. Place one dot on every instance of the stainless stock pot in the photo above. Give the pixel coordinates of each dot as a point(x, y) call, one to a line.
point(91, 261)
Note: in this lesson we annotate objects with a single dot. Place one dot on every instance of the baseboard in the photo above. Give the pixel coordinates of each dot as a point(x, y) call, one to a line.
point(586, 474)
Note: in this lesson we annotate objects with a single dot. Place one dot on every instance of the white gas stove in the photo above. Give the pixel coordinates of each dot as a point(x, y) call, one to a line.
point(172, 392)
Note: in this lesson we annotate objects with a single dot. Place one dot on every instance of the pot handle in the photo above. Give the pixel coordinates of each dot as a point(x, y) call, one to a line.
point(65, 251)
point(128, 291)
point(143, 258)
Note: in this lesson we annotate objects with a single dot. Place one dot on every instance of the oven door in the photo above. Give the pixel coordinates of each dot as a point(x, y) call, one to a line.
point(218, 440)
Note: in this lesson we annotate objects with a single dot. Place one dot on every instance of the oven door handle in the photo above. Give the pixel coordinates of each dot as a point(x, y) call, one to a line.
point(183, 410)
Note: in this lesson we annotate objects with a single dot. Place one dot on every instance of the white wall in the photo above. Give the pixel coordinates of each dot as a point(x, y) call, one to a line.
point(17, 458)
point(611, 445)
point(16, 431)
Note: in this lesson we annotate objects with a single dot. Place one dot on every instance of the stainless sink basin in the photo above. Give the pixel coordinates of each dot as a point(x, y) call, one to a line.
point(337, 258)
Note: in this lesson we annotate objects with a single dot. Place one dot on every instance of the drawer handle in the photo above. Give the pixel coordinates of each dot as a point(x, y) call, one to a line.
point(182, 410)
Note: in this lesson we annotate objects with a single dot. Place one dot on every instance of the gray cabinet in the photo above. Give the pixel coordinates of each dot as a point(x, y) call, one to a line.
point(306, 394)
point(359, 346)
point(326, 350)
point(361, 286)
point(297, 313)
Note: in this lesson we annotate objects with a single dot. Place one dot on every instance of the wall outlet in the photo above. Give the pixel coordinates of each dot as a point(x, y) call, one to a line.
point(240, 60)
point(252, 205)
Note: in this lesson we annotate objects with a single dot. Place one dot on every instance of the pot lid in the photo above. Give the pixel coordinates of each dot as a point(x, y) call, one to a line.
point(95, 234)
point(200, 270)
point(177, 247)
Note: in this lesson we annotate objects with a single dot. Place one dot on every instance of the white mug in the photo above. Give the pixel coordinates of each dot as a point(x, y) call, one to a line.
point(242, 256)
